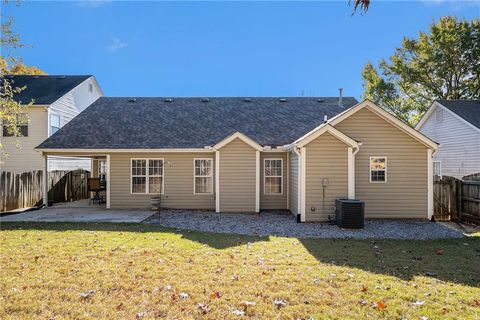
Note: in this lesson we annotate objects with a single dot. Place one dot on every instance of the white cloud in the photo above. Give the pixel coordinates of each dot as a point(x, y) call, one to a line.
point(93, 3)
point(116, 44)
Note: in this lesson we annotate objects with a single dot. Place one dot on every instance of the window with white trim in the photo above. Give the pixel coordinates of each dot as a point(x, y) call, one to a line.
point(378, 169)
point(147, 176)
point(203, 176)
point(54, 123)
point(273, 176)
point(437, 168)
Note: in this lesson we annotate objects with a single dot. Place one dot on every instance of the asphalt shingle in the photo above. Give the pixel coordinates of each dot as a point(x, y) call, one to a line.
point(469, 110)
point(156, 123)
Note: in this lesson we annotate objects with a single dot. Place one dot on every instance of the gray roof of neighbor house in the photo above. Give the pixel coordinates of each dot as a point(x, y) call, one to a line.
point(157, 123)
point(43, 89)
point(469, 110)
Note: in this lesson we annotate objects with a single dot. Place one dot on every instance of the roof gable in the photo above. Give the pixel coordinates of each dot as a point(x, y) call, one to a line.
point(159, 123)
point(242, 137)
point(467, 110)
point(43, 89)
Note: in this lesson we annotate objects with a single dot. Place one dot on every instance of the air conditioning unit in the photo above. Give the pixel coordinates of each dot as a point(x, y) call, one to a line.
point(350, 213)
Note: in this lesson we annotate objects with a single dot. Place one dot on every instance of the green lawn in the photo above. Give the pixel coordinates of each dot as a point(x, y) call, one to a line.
point(142, 271)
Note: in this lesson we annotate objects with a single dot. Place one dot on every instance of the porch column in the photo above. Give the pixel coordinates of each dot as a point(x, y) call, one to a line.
point(351, 174)
point(217, 181)
point(108, 177)
point(257, 181)
point(45, 180)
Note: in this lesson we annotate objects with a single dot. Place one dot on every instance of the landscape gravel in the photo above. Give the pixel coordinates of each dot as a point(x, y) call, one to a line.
point(284, 224)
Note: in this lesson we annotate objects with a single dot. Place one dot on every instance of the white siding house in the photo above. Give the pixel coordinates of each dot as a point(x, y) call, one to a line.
point(56, 101)
point(453, 124)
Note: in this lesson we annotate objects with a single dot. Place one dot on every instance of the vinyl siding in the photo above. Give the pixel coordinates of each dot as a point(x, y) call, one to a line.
point(237, 177)
point(25, 158)
point(327, 158)
point(178, 187)
point(459, 151)
point(293, 183)
point(269, 201)
point(404, 195)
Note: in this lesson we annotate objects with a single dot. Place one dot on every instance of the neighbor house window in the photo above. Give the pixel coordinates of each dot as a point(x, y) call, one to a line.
point(273, 176)
point(54, 123)
point(437, 168)
point(203, 176)
point(378, 169)
point(439, 115)
point(102, 170)
point(22, 127)
point(147, 176)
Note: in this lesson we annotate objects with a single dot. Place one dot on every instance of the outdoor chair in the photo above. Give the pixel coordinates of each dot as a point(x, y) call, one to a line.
point(96, 186)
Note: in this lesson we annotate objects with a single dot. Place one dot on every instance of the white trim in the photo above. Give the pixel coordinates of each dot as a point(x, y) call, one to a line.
point(299, 182)
point(210, 176)
point(51, 114)
point(241, 136)
point(387, 117)
point(217, 181)
point(147, 176)
point(429, 184)
point(385, 170)
point(288, 180)
point(107, 177)
point(47, 150)
point(303, 154)
point(45, 180)
point(257, 181)
point(265, 178)
point(318, 131)
point(351, 174)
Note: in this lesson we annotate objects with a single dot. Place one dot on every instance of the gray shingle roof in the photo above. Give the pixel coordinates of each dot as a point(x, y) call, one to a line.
point(43, 89)
point(118, 123)
point(469, 110)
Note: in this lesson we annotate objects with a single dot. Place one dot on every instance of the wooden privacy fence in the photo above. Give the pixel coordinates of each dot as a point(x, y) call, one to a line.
point(25, 190)
point(456, 199)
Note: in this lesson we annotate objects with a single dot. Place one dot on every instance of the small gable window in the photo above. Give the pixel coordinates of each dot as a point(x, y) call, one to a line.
point(54, 123)
point(378, 169)
point(273, 176)
point(439, 115)
point(203, 176)
point(147, 176)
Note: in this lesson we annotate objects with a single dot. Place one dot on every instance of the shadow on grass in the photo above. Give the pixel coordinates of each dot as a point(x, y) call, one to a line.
point(214, 240)
point(451, 260)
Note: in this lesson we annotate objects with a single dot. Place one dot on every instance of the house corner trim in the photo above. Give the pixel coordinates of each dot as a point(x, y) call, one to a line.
point(303, 167)
point(257, 181)
point(217, 181)
point(429, 184)
point(351, 174)
point(108, 182)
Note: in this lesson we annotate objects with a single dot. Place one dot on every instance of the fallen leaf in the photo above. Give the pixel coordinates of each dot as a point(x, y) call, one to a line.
point(379, 305)
point(439, 252)
point(362, 302)
point(87, 294)
point(279, 303)
point(141, 314)
point(247, 304)
point(418, 303)
point(214, 295)
point(184, 295)
point(168, 288)
point(364, 289)
point(423, 318)
point(476, 303)
point(239, 313)
point(203, 308)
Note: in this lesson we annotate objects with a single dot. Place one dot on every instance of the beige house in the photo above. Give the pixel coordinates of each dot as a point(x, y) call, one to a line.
point(254, 154)
point(56, 100)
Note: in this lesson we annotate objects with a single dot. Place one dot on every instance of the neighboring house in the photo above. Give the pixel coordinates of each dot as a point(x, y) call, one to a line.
point(455, 125)
point(252, 154)
point(56, 101)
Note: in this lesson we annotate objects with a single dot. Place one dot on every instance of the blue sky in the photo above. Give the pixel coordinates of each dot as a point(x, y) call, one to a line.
point(221, 48)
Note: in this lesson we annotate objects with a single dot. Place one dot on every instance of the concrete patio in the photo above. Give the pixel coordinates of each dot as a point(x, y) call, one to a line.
point(79, 211)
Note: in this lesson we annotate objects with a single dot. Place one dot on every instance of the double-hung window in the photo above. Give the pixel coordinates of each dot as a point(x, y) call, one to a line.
point(54, 123)
point(147, 176)
point(21, 130)
point(378, 169)
point(203, 176)
point(273, 176)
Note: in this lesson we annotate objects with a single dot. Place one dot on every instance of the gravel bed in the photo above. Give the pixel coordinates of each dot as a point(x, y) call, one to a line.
point(284, 224)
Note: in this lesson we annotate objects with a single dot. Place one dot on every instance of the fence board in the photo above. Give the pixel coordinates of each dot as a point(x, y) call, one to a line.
point(25, 190)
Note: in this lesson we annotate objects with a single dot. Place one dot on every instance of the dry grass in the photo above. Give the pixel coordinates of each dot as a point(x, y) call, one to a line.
point(139, 271)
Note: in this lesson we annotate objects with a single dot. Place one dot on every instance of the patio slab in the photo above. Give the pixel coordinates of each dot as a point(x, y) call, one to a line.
point(79, 211)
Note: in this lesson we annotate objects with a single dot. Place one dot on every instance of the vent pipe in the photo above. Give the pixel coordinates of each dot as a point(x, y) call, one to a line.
point(325, 118)
point(340, 96)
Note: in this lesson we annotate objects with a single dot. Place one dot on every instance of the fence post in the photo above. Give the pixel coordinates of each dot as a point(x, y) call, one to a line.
point(459, 199)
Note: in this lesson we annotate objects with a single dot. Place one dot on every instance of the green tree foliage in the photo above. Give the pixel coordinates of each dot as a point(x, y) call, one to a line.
point(443, 64)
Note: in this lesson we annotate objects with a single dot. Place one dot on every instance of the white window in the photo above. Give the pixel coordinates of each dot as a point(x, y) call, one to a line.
point(439, 115)
point(273, 176)
point(378, 169)
point(54, 123)
point(90, 87)
point(147, 176)
point(102, 170)
point(437, 168)
point(203, 176)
